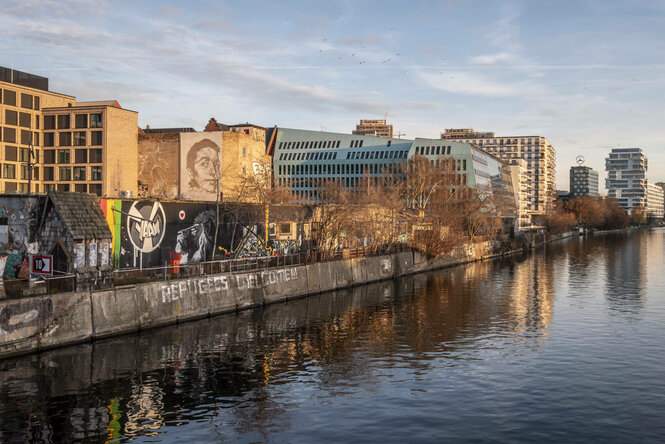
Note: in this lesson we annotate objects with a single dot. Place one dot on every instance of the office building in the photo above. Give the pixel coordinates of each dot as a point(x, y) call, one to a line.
point(655, 201)
point(627, 177)
point(583, 181)
point(78, 146)
point(377, 128)
point(536, 151)
point(520, 181)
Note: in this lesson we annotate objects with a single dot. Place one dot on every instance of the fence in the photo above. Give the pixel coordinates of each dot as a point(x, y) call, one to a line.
point(166, 272)
point(16, 288)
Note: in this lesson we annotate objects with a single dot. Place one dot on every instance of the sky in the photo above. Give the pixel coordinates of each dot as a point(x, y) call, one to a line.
point(589, 75)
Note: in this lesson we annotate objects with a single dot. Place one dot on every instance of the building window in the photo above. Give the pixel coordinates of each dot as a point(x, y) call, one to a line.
point(35, 137)
point(79, 173)
point(24, 172)
point(37, 102)
point(81, 120)
point(244, 151)
point(26, 137)
point(49, 156)
point(81, 156)
point(95, 155)
point(95, 173)
point(26, 101)
point(64, 173)
point(63, 156)
point(79, 138)
point(95, 188)
point(96, 138)
point(9, 98)
point(23, 154)
point(81, 188)
point(63, 121)
point(96, 120)
point(9, 135)
point(11, 117)
point(63, 187)
point(65, 139)
point(8, 171)
point(48, 173)
point(10, 153)
point(49, 122)
point(49, 139)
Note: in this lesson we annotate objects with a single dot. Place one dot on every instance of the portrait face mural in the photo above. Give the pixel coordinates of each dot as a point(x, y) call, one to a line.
point(200, 165)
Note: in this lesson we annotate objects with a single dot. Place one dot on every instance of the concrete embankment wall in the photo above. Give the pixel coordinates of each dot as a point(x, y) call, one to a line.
point(43, 322)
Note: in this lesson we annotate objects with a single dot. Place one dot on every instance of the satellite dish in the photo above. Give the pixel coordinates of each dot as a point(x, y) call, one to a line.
point(579, 160)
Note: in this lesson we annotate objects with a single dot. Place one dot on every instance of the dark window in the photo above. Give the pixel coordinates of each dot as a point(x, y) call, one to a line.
point(35, 174)
point(26, 137)
point(95, 156)
point(23, 154)
point(63, 156)
point(49, 139)
point(49, 156)
point(36, 102)
point(25, 120)
point(96, 188)
point(64, 173)
point(95, 173)
point(10, 153)
point(81, 188)
point(10, 186)
point(96, 138)
point(9, 98)
point(9, 135)
point(48, 173)
point(11, 117)
point(79, 173)
point(37, 121)
point(63, 187)
point(81, 120)
point(79, 138)
point(65, 139)
point(63, 121)
point(49, 122)
point(24, 172)
point(81, 156)
point(35, 137)
point(96, 120)
point(26, 101)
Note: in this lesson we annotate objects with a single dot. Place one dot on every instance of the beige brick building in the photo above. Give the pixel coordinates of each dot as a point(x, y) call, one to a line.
point(536, 151)
point(374, 128)
point(78, 146)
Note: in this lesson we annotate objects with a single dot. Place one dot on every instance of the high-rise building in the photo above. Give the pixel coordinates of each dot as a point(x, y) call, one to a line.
point(583, 181)
point(377, 128)
point(627, 177)
point(655, 201)
point(536, 151)
point(77, 146)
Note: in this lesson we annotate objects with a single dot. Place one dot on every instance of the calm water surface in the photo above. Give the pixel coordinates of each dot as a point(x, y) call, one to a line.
point(565, 344)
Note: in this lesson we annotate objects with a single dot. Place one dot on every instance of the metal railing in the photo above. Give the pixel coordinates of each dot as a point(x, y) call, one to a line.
point(166, 272)
point(18, 288)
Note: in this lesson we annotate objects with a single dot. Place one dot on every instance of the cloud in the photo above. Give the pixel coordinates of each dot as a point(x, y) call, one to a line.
point(476, 84)
point(493, 59)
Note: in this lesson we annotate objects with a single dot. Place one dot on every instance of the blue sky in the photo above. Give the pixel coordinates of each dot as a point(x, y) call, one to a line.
point(588, 74)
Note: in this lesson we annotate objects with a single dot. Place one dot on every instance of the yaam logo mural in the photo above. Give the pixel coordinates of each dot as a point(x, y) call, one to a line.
point(146, 224)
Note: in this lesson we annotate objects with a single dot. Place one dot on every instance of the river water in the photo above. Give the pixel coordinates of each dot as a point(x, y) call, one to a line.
point(564, 344)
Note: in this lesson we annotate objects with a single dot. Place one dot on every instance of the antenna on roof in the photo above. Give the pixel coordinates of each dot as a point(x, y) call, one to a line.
point(323, 128)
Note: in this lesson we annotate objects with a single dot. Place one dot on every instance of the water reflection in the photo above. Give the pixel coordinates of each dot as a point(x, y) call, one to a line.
point(245, 376)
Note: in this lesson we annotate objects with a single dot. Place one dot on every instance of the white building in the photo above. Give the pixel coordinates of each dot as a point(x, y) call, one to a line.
point(655, 201)
point(520, 178)
point(627, 177)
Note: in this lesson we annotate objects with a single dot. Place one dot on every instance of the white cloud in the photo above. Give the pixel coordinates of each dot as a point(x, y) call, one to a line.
point(477, 84)
point(493, 59)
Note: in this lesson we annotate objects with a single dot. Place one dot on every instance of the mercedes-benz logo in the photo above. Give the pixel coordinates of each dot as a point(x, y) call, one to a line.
point(579, 160)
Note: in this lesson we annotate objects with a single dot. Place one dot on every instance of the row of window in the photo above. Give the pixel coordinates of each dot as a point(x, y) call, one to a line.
point(321, 144)
point(321, 169)
point(93, 155)
point(432, 150)
point(93, 188)
point(66, 174)
point(15, 154)
point(28, 101)
point(11, 135)
point(17, 118)
point(76, 138)
point(63, 121)
point(383, 154)
point(329, 155)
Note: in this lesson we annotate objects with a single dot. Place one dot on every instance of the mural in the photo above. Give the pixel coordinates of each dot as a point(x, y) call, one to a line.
point(158, 165)
point(18, 217)
point(194, 243)
point(200, 165)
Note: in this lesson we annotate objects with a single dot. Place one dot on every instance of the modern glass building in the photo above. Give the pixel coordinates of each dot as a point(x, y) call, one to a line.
point(583, 181)
point(627, 177)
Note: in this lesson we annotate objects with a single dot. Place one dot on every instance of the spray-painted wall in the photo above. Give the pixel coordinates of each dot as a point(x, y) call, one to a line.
point(18, 218)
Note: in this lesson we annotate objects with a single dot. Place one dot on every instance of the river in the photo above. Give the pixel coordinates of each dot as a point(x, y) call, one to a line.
point(563, 344)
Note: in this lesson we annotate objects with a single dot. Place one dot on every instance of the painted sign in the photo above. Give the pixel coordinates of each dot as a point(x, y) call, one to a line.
point(41, 264)
point(145, 225)
point(200, 165)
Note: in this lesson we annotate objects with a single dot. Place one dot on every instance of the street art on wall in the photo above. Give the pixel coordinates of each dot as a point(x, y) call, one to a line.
point(195, 243)
point(158, 165)
point(200, 165)
point(18, 217)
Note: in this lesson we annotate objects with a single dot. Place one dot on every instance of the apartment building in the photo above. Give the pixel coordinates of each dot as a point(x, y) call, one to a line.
point(76, 146)
point(520, 181)
point(655, 201)
point(536, 151)
point(583, 181)
point(627, 177)
point(377, 128)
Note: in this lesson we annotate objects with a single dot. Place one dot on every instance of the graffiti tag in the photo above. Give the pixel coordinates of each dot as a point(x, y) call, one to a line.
point(146, 222)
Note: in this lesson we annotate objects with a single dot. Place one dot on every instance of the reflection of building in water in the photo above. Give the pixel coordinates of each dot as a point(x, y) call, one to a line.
point(625, 270)
point(145, 409)
point(532, 298)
